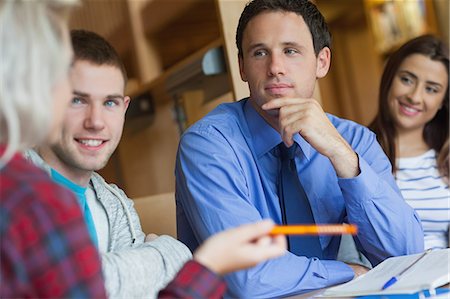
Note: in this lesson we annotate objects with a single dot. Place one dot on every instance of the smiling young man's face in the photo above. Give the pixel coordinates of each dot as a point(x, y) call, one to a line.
point(278, 58)
point(93, 123)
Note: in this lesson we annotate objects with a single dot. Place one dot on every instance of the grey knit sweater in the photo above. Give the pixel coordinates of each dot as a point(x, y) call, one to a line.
point(131, 270)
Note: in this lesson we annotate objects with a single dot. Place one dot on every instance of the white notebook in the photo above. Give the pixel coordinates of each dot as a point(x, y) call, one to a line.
point(431, 271)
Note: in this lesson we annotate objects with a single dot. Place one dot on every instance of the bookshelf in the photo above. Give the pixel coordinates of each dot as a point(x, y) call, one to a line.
point(173, 35)
point(393, 23)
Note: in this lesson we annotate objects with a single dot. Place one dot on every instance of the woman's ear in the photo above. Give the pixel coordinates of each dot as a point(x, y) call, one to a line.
point(323, 62)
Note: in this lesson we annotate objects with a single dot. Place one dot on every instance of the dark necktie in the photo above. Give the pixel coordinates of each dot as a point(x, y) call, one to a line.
point(295, 207)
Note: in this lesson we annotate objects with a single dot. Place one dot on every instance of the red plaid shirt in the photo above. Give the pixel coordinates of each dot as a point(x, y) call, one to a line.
point(45, 249)
point(194, 281)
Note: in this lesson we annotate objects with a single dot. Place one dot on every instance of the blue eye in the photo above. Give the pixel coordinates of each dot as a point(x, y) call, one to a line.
point(111, 103)
point(77, 100)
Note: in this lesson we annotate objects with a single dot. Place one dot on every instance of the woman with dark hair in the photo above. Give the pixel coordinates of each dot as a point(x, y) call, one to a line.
point(412, 126)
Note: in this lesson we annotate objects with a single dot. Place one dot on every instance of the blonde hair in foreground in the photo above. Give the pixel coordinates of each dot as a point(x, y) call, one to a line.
point(31, 47)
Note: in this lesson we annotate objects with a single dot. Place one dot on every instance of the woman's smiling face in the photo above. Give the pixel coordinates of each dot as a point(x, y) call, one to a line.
point(417, 92)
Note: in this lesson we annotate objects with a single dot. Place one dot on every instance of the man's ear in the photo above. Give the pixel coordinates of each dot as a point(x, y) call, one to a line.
point(241, 68)
point(126, 101)
point(323, 62)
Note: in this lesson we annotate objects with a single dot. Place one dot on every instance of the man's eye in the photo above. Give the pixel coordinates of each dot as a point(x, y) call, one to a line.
point(259, 53)
point(291, 51)
point(111, 103)
point(77, 100)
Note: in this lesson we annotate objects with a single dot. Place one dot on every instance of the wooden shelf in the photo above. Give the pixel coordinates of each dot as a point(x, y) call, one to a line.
point(179, 28)
point(157, 87)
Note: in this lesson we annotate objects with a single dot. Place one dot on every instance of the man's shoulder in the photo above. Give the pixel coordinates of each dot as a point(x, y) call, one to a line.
point(226, 116)
point(103, 188)
point(349, 129)
point(32, 156)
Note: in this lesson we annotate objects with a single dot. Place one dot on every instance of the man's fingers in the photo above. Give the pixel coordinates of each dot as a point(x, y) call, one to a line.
point(281, 102)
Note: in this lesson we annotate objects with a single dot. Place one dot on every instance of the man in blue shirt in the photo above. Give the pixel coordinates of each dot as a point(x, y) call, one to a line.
point(227, 164)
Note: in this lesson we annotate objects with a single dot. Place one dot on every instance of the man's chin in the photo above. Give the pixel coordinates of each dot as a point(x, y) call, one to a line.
point(93, 166)
point(98, 167)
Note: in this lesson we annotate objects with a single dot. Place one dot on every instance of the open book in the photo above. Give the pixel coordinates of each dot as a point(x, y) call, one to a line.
point(431, 271)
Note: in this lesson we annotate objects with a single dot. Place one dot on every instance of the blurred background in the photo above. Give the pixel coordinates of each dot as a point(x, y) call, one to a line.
point(181, 60)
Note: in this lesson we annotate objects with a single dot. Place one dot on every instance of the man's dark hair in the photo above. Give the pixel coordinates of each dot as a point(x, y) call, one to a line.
point(311, 15)
point(91, 47)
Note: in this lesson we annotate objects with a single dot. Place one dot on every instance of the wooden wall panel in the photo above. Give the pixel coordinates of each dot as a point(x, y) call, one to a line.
point(147, 157)
point(229, 12)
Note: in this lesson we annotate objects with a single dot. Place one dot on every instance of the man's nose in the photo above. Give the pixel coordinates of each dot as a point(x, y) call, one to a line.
point(94, 118)
point(276, 65)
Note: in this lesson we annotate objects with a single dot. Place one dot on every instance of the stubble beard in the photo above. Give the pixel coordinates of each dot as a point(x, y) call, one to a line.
point(72, 160)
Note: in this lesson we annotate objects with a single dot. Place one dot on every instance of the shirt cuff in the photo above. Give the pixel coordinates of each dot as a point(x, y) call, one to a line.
point(345, 272)
point(366, 184)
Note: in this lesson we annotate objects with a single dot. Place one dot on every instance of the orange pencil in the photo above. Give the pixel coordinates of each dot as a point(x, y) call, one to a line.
point(319, 229)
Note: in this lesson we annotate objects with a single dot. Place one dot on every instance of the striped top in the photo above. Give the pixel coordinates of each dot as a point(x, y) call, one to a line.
point(424, 189)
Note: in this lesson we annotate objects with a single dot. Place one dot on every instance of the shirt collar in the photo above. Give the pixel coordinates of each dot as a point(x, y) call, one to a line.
point(62, 180)
point(264, 136)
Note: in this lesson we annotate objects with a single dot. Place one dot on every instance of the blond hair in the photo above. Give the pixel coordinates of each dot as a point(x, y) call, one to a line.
point(32, 60)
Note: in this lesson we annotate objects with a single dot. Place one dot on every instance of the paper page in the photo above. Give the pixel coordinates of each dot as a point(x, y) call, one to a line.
point(430, 272)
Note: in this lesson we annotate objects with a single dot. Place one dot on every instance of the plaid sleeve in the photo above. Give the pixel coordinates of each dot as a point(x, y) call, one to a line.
point(45, 248)
point(194, 281)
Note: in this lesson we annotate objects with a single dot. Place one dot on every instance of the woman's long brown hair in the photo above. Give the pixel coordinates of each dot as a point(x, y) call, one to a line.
point(436, 130)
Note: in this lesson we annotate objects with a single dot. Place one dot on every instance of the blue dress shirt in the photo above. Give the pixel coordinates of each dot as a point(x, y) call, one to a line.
point(226, 175)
